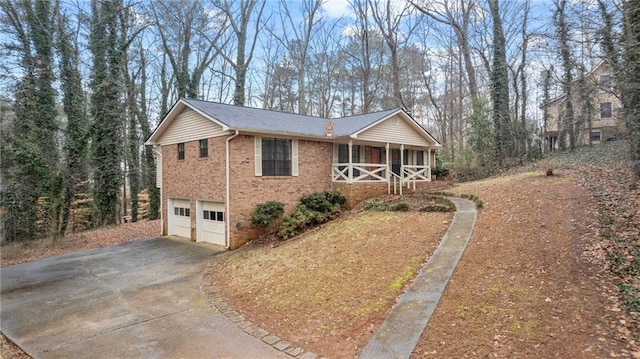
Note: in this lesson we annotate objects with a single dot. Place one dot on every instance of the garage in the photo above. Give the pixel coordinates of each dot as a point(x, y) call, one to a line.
point(211, 222)
point(179, 217)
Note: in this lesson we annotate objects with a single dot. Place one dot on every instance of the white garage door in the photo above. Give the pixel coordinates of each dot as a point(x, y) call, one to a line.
point(211, 222)
point(179, 217)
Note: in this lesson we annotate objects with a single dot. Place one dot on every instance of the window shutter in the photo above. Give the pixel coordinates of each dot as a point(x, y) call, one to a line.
point(294, 157)
point(258, 155)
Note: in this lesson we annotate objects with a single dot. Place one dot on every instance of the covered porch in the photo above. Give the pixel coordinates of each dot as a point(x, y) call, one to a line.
point(396, 165)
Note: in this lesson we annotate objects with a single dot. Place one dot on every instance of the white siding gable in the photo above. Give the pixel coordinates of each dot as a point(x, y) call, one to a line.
point(395, 130)
point(189, 126)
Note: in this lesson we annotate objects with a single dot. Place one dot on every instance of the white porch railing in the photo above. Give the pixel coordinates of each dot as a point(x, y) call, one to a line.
point(360, 172)
point(377, 173)
point(415, 173)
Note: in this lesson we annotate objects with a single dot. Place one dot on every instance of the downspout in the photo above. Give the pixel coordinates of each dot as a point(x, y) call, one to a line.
point(158, 153)
point(227, 202)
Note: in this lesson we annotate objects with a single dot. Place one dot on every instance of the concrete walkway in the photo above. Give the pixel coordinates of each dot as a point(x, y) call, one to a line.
point(401, 331)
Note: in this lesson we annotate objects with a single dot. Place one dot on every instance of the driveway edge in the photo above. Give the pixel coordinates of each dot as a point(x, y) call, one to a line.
point(218, 303)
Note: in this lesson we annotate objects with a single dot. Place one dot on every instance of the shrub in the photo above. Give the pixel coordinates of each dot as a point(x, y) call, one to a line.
point(314, 209)
point(402, 207)
point(295, 222)
point(440, 172)
point(266, 212)
point(316, 201)
point(377, 205)
point(335, 197)
point(442, 205)
point(323, 201)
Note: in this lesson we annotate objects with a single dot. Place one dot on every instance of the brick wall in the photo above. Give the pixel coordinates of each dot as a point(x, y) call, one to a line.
point(194, 177)
point(247, 190)
point(198, 178)
point(358, 192)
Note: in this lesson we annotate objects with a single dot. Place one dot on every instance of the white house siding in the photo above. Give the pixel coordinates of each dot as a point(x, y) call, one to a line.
point(394, 130)
point(190, 126)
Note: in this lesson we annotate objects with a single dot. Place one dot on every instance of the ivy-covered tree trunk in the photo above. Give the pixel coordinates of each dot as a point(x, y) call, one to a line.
point(29, 146)
point(631, 78)
point(500, 89)
point(77, 130)
point(568, 118)
point(134, 146)
point(106, 109)
point(149, 165)
point(546, 95)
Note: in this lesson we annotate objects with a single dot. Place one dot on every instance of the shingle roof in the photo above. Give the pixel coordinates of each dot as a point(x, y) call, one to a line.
point(250, 118)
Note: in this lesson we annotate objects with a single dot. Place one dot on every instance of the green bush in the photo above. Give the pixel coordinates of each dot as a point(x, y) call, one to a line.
point(440, 172)
point(375, 204)
point(323, 201)
point(402, 207)
point(316, 201)
point(442, 205)
point(266, 212)
point(314, 209)
point(335, 197)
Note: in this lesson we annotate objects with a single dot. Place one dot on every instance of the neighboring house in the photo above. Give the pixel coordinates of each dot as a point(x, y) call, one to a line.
point(216, 162)
point(607, 122)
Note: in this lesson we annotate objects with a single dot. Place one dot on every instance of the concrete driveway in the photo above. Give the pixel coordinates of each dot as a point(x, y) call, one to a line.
point(136, 300)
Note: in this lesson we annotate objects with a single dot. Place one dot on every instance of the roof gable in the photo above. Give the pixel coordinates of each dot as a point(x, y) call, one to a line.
point(225, 117)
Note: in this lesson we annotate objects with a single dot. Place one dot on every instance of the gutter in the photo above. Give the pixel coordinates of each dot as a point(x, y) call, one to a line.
point(156, 150)
point(227, 234)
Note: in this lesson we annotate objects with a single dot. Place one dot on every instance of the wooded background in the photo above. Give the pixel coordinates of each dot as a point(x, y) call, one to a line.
point(83, 83)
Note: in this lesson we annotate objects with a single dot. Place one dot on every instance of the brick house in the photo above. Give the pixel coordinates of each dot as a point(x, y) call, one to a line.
point(602, 122)
point(216, 162)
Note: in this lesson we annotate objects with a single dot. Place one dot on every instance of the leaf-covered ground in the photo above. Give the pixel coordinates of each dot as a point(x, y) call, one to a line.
point(536, 280)
point(28, 251)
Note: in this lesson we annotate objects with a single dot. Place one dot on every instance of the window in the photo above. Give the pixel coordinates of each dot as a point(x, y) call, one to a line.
point(204, 148)
point(181, 151)
point(605, 110)
point(605, 82)
point(596, 135)
point(214, 216)
point(276, 157)
point(181, 211)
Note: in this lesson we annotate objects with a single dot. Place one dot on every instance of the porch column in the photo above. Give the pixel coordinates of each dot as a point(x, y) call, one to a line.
point(428, 161)
point(402, 168)
point(350, 180)
point(387, 174)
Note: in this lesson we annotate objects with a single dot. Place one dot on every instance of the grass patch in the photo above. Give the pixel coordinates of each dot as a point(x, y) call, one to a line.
point(330, 282)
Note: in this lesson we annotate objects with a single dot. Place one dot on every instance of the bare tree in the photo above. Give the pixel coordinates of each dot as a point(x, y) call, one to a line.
point(395, 32)
point(298, 43)
point(458, 15)
point(361, 55)
point(238, 14)
point(188, 40)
